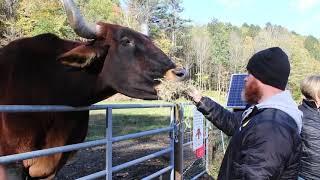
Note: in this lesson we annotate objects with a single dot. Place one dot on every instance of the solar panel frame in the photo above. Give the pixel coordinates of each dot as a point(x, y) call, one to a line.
point(236, 86)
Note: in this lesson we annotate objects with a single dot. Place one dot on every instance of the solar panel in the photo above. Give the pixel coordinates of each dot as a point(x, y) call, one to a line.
point(236, 86)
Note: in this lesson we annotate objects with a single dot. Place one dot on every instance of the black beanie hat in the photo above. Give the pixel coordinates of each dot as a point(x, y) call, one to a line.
point(271, 66)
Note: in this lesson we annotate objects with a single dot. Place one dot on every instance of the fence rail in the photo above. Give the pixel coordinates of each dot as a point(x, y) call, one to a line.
point(61, 108)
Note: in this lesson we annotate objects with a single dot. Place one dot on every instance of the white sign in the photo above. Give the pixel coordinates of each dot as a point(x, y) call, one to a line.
point(197, 129)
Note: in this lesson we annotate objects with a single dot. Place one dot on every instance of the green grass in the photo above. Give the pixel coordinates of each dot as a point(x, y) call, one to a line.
point(219, 97)
point(126, 121)
point(135, 120)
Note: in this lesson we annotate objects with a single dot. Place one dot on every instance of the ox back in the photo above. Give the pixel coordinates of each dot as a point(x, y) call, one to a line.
point(30, 74)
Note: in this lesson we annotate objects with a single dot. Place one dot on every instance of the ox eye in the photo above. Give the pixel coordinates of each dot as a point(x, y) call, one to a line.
point(126, 42)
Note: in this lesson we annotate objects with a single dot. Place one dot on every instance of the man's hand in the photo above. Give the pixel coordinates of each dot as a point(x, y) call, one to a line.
point(194, 94)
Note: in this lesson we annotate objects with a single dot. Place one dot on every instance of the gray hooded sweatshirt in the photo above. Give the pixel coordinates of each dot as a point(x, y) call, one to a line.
point(284, 102)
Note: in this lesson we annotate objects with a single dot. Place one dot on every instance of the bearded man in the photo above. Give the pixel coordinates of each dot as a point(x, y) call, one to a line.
point(265, 141)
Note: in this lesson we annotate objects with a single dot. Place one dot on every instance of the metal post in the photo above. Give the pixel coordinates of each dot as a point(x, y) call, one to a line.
point(207, 145)
point(109, 144)
point(222, 140)
point(178, 145)
point(172, 140)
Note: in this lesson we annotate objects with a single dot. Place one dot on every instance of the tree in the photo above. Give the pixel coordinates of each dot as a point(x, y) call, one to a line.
point(237, 52)
point(142, 11)
point(161, 17)
point(7, 8)
point(7, 16)
point(313, 46)
point(220, 54)
point(273, 35)
point(253, 30)
point(200, 44)
point(38, 16)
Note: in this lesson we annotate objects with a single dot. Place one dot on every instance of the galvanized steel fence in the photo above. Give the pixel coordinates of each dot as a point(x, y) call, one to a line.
point(176, 148)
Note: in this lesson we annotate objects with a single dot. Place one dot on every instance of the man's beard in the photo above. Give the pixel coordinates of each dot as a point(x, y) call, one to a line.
point(252, 93)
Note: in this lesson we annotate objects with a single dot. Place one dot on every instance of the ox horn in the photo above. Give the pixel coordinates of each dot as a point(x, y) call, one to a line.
point(76, 21)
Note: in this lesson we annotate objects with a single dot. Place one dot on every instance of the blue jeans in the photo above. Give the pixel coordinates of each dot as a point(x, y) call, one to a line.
point(300, 178)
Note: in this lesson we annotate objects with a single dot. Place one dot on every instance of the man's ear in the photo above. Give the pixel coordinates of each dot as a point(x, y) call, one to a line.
point(83, 56)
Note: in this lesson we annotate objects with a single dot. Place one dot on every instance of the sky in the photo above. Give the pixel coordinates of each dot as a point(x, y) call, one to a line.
point(301, 16)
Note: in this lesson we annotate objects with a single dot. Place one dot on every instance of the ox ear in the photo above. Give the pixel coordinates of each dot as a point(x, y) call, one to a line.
point(83, 56)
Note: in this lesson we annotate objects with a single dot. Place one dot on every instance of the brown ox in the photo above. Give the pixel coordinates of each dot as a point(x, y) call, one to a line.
point(47, 70)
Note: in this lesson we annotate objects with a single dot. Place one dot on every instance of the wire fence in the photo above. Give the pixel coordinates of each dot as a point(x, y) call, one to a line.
point(215, 142)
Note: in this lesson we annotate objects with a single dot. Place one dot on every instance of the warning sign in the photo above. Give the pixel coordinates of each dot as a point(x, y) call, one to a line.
point(198, 146)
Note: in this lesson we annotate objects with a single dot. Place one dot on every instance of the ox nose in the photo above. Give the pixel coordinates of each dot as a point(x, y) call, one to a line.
point(181, 73)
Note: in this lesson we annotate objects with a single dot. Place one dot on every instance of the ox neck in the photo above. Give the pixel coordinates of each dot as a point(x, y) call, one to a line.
point(101, 92)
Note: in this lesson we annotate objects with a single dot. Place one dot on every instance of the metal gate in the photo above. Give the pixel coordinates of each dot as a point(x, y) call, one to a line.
point(175, 149)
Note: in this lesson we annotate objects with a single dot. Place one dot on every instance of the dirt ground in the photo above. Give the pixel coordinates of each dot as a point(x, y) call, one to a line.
point(92, 160)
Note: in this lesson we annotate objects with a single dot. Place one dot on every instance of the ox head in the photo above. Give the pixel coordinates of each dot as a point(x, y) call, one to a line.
point(129, 61)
